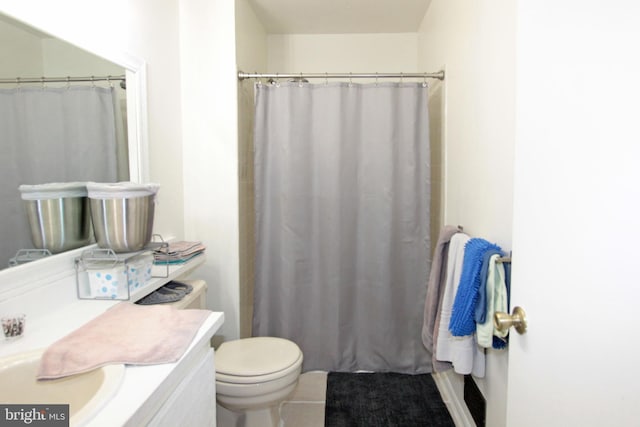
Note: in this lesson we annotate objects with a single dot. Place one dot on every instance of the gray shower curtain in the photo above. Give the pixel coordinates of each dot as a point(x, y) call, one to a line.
point(342, 222)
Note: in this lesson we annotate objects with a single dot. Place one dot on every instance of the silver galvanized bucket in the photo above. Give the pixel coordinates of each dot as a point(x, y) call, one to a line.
point(58, 215)
point(122, 215)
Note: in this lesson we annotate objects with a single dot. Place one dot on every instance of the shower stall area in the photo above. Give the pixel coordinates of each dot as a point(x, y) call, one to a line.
point(320, 55)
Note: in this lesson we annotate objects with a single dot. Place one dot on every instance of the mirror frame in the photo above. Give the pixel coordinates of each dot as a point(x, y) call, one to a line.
point(138, 137)
point(31, 276)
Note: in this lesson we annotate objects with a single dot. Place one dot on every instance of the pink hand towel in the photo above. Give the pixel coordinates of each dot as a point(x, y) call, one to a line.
point(125, 334)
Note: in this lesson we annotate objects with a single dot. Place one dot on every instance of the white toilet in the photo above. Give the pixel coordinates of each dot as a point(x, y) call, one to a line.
point(253, 376)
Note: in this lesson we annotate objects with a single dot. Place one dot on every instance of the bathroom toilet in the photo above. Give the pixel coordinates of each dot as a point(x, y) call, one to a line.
point(253, 376)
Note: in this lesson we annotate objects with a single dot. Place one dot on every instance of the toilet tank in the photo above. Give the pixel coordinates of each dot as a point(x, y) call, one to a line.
point(196, 299)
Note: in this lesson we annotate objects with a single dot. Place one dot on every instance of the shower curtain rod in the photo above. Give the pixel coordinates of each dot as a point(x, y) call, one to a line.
point(438, 75)
point(67, 79)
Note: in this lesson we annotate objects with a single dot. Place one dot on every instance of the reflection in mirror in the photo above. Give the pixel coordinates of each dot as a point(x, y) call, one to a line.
point(54, 132)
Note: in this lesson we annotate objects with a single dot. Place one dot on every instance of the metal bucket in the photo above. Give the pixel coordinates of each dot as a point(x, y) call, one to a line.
point(59, 224)
point(123, 224)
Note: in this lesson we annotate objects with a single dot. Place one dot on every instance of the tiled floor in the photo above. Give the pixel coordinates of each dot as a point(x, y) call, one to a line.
point(305, 407)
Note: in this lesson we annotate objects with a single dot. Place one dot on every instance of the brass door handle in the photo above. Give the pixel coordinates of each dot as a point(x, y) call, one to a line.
point(518, 319)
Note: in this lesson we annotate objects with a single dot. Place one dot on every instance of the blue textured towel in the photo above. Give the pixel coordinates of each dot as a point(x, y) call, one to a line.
point(462, 321)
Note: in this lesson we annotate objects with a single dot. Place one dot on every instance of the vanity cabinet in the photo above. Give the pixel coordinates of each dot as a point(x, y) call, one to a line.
point(192, 403)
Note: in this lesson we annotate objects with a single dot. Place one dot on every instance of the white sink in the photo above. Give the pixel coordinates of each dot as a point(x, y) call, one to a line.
point(84, 393)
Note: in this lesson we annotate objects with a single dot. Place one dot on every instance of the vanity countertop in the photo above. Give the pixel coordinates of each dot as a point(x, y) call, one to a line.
point(145, 388)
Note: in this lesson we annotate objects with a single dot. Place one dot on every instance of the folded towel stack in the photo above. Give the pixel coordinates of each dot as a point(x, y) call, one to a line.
point(178, 252)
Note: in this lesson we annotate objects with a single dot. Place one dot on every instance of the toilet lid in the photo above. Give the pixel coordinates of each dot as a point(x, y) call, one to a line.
point(256, 356)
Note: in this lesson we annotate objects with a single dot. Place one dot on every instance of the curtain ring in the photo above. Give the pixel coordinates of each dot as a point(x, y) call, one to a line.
point(326, 78)
point(401, 77)
point(18, 82)
point(42, 82)
point(350, 80)
point(93, 82)
point(109, 82)
point(68, 82)
point(277, 81)
point(376, 78)
point(424, 80)
point(300, 82)
point(259, 79)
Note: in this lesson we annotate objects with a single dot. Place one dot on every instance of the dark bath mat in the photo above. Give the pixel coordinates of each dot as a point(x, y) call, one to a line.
point(384, 400)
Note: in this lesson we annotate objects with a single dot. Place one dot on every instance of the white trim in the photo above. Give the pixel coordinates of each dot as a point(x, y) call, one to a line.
point(25, 278)
point(137, 123)
point(455, 403)
point(137, 127)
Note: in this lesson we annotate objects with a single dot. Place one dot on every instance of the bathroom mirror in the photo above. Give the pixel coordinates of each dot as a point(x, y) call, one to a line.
point(29, 52)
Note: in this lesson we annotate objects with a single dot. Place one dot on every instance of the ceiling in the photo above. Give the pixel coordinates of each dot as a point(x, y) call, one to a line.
point(340, 16)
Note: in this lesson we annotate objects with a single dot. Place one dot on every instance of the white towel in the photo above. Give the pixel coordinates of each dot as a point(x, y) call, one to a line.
point(496, 301)
point(462, 352)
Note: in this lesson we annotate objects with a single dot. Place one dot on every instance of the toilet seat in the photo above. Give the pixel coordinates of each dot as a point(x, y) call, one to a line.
point(256, 360)
point(256, 374)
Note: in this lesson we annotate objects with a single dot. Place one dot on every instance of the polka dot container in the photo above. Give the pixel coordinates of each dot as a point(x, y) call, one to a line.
point(112, 282)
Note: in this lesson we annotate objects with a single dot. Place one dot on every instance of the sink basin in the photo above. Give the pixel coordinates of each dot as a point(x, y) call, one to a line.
point(84, 393)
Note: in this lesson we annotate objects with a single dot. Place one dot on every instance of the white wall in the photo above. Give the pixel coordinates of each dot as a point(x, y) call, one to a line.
point(210, 147)
point(152, 33)
point(475, 42)
point(251, 51)
point(251, 43)
point(318, 53)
